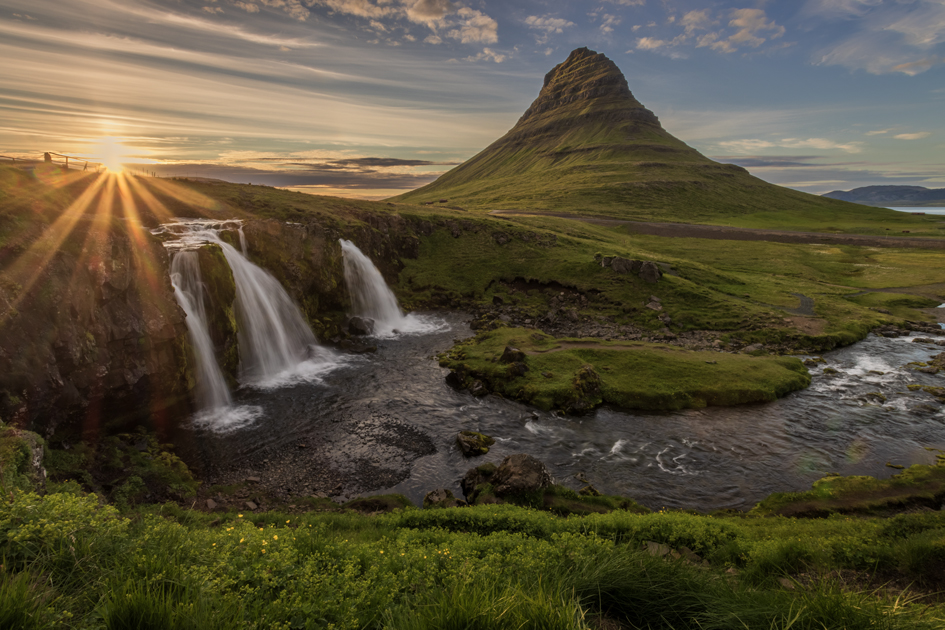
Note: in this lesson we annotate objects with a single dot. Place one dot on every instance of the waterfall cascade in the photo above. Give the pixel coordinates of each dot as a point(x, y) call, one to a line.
point(276, 345)
point(212, 391)
point(372, 298)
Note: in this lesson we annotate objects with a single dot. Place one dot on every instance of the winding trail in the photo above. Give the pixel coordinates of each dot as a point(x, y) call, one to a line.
point(724, 232)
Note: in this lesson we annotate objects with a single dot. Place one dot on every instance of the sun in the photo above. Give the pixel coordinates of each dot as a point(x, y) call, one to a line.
point(109, 151)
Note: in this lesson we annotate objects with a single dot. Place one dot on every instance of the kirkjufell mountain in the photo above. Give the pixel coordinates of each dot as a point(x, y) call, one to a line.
point(588, 145)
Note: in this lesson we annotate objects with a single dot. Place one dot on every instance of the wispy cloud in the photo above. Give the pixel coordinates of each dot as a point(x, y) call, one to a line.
point(745, 28)
point(887, 36)
point(752, 145)
point(913, 136)
point(547, 23)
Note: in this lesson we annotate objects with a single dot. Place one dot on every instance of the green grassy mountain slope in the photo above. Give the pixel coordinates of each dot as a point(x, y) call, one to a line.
point(586, 145)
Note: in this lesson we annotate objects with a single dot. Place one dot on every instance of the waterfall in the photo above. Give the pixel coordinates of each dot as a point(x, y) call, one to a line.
point(275, 343)
point(372, 298)
point(243, 242)
point(273, 336)
point(212, 391)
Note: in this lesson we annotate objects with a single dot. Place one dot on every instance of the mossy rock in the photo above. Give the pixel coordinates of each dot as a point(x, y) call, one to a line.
point(472, 443)
point(21, 460)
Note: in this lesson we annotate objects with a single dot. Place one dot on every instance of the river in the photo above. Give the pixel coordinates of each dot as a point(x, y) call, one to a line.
point(386, 422)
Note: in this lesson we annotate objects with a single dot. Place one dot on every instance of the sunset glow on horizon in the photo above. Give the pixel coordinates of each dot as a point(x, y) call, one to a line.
point(369, 97)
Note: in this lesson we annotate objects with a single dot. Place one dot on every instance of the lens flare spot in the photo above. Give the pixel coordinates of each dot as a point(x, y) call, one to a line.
point(110, 152)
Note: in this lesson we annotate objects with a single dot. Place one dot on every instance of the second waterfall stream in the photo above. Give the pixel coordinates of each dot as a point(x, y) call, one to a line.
point(371, 298)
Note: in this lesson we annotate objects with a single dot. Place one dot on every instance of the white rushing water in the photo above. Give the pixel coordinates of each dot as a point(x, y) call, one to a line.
point(276, 346)
point(212, 391)
point(373, 299)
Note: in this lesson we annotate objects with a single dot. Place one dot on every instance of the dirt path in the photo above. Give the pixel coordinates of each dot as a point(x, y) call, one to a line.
point(722, 232)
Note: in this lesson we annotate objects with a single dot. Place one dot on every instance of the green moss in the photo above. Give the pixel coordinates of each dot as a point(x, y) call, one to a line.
point(16, 466)
point(632, 375)
point(918, 485)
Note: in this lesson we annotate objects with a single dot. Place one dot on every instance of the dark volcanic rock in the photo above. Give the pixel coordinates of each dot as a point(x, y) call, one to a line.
point(512, 355)
point(518, 474)
point(360, 325)
point(650, 272)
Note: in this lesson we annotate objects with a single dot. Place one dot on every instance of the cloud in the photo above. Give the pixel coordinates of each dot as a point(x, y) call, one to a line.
point(746, 146)
point(293, 7)
point(477, 27)
point(431, 13)
point(820, 143)
point(650, 43)
point(249, 7)
point(696, 20)
point(771, 161)
point(913, 136)
point(750, 23)
point(213, 10)
point(609, 22)
point(628, 3)
point(548, 24)
point(887, 36)
point(745, 28)
point(913, 68)
point(878, 132)
point(752, 145)
point(443, 17)
point(489, 54)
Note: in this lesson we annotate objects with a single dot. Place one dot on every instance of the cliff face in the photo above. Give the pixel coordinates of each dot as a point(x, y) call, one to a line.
point(92, 335)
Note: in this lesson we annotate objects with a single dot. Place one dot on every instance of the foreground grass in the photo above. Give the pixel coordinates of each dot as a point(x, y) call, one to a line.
point(71, 562)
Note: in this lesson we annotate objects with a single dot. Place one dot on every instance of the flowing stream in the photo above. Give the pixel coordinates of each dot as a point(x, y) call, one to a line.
point(386, 422)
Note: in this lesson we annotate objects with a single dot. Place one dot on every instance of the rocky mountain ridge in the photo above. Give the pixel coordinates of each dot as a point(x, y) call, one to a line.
point(917, 196)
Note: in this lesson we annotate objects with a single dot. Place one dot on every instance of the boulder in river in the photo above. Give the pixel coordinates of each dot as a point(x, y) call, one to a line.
point(472, 443)
point(360, 325)
point(518, 474)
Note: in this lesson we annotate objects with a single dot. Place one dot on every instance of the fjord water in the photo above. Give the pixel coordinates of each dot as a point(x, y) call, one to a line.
point(704, 459)
point(372, 298)
point(914, 209)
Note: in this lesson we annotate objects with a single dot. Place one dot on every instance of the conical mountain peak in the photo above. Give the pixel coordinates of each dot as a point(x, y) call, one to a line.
point(587, 146)
point(584, 79)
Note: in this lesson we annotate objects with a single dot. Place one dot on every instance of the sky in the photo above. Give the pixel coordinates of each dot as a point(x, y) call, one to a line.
point(374, 97)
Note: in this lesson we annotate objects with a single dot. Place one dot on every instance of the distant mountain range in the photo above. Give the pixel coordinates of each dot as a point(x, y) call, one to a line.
point(885, 196)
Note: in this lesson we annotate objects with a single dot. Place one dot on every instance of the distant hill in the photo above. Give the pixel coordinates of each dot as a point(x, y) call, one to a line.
point(892, 196)
point(587, 146)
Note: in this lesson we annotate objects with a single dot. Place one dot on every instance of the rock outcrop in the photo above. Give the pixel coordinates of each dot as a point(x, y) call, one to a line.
point(516, 476)
point(91, 332)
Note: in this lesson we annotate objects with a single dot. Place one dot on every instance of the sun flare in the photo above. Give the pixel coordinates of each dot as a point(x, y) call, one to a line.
point(109, 151)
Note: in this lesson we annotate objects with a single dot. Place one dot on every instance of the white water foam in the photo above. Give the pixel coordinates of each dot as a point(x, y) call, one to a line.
point(372, 298)
point(277, 348)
